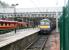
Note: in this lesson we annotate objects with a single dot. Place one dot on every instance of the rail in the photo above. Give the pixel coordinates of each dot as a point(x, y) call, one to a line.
point(39, 43)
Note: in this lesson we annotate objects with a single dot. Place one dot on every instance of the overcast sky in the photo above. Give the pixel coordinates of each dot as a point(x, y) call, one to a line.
point(36, 3)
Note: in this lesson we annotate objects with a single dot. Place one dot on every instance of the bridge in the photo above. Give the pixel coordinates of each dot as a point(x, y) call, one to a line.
point(31, 12)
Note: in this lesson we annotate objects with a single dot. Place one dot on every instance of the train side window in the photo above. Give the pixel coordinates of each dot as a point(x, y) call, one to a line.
point(6, 24)
point(12, 24)
point(1, 23)
point(9, 24)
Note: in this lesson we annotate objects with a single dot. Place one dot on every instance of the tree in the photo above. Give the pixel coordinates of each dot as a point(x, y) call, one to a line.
point(3, 4)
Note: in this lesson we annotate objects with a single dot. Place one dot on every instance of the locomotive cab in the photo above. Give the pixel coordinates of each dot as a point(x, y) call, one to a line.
point(45, 26)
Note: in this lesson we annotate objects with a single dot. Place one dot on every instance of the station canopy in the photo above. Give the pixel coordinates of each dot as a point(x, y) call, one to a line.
point(23, 10)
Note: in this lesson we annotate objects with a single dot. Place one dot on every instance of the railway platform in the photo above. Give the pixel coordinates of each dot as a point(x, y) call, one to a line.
point(53, 42)
point(28, 39)
point(20, 40)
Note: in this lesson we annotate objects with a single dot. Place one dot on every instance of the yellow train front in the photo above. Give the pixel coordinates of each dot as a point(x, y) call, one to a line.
point(45, 26)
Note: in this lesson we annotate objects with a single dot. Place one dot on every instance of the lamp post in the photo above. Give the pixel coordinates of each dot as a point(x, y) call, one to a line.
point(57, 18)
point(14, 6)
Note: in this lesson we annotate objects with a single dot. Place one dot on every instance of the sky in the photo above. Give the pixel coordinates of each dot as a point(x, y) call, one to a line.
point(36, 3)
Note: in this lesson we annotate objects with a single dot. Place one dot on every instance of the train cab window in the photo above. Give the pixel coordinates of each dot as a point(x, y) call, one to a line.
point(41, 23)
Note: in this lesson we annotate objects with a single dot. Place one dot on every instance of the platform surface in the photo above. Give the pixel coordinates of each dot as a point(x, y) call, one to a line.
point(54, 41)
point(10, 37)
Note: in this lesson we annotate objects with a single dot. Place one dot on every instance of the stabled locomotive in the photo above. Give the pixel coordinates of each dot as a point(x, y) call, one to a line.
point(45, 26)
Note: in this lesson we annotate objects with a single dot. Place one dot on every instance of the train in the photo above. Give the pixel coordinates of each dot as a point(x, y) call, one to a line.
point(7, 26)
point(45, 26)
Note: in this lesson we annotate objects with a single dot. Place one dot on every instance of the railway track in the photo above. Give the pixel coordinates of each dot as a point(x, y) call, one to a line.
point(38, 44)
